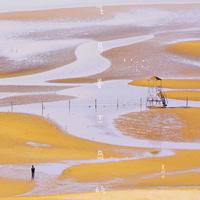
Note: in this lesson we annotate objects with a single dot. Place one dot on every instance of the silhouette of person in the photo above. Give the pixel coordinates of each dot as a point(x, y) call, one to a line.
point(32, 172)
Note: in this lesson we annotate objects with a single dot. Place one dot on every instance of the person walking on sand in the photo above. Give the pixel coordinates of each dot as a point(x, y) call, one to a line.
point(32, 172)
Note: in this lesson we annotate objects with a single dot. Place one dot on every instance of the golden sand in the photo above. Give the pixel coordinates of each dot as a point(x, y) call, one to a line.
point(169, 83)
point(188, 48)
point(142, 194)
point(151, 194)
point(185, 179)
point(18, 129)
point(14, 187)
point(177, 124)
point(183, 95)
point(21, 72)
point(133, 172)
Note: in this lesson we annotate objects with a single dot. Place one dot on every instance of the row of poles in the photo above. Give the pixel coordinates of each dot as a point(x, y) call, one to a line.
point(95, 105)
point(117, 104)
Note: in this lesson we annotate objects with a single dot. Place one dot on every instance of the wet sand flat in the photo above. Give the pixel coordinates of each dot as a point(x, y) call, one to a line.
point(173, 124)
point(139, 61)
point(83, 13)
point(106, 30)
point(37, 64)
point(88, 12)
point(31, 88)
point(29, 99)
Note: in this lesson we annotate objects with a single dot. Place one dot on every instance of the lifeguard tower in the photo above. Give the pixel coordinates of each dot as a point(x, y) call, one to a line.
point(155, 97)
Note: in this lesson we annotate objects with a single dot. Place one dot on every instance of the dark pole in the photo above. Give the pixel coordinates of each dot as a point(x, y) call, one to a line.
point(11, 104)
point(42, 108)
point(69, 105)
point(95, 104)
point(186, 102)
point(140, 104)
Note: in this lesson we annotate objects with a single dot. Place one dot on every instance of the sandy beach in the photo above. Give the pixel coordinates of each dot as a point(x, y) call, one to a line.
point(136, 194)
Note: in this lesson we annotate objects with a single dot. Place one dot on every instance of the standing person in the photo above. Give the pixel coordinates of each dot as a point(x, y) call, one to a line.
point(32, 172)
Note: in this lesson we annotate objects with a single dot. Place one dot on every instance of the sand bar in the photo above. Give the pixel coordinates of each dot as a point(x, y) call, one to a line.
point(188, 48)
point(169, 83)
point(183, 95)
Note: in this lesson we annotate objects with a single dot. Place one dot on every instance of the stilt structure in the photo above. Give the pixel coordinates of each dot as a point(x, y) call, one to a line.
point(156, 97)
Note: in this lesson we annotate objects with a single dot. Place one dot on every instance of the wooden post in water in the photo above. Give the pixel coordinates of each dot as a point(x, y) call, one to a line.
point(186, 102)
point(69, 105)
point(117, 103)
point(11, 104)
point(42, 108)
point(95, 104)
point(140, 104)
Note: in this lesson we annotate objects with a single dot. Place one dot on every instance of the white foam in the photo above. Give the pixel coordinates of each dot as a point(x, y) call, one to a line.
point(35, 144)
point(19, 50)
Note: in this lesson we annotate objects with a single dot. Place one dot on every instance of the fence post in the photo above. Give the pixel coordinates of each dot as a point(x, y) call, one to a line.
point(186, 102)
point(69, 105)
point(95, 104)
point(140, 104)
point(42, 108)
point(11, 104)
point(117, 103)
